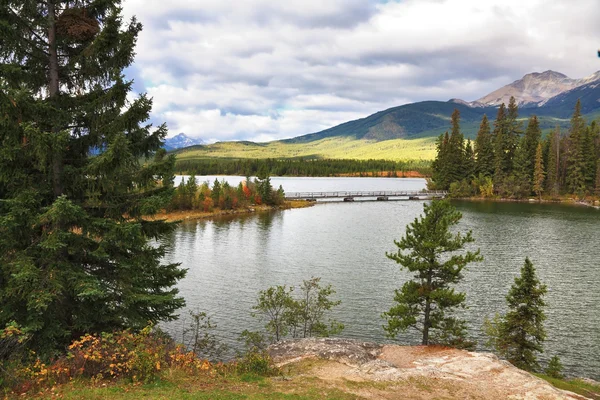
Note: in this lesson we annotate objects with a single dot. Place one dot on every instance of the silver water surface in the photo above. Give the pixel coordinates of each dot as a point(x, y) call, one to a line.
point(229, 260)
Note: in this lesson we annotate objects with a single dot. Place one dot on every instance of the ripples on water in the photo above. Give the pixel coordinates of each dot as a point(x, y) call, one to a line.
point(230, 260)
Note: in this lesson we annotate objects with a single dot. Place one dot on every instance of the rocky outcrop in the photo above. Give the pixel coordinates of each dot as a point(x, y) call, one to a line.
point(421, 371)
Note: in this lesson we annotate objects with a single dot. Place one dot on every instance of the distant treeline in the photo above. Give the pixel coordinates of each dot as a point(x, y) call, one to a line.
point(509, 162)
point(299, 167)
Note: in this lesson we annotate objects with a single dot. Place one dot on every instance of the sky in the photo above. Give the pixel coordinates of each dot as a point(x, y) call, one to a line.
point(264, 70)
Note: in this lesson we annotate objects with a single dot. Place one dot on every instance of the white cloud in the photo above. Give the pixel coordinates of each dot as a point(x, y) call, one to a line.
point(262, 70)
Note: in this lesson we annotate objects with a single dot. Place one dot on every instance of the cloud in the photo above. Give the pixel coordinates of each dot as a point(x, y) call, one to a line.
point(263, 70)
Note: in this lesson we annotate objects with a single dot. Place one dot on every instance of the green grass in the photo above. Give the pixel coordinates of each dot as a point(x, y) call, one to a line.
point(334, 147)
point(574, 385)
point(179, 385)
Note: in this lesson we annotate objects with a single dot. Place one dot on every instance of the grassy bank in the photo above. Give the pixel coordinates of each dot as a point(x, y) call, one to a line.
point(184, 215)
point(295, 383)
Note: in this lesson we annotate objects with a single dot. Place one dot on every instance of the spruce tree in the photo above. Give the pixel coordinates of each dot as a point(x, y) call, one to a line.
point(439, 166)
point(469, 161)
point(538, 172)
point(533, 135)
point(426, 302)
point(513, 133)
point(74, 240)
point(521, 178)
point(456, 150)
point(553, 166)
point(589, 156)
point(520, 333)
point(499, 139)
point(575, 157)
point(484, 150)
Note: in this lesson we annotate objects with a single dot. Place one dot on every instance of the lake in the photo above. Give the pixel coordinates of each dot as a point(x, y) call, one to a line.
point(230, 259)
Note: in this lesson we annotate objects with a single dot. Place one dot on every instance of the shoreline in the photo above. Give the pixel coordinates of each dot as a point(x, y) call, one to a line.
point(570, 201)
point(189, 215)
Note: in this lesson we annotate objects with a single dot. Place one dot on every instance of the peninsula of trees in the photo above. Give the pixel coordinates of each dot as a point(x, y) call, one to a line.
point(509, 162)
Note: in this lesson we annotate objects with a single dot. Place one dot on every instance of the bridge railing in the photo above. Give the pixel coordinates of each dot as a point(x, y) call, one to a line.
point(384, 193)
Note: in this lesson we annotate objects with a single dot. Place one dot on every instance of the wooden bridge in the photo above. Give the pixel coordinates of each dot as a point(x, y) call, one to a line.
point(378, 195)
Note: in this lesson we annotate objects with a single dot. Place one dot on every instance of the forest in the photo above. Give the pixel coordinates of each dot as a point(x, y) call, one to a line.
point(509, 161)
point(301, 167)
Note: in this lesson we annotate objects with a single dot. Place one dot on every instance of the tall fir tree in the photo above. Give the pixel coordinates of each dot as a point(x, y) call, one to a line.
point(74, 243)
point(553, 165)
point(538, 172)
point(484, 150)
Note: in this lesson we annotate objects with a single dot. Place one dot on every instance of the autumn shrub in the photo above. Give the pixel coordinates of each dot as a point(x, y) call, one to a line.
point(139, 357)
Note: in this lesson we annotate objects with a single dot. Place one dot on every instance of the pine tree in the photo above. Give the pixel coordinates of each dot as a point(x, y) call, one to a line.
point(538, 172)
point(484, 150)
point(520, 333)
point(553, 166)
point(426, 302)
point(74, 240)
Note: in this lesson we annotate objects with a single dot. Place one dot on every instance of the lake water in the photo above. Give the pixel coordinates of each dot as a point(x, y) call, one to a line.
point(230, 259)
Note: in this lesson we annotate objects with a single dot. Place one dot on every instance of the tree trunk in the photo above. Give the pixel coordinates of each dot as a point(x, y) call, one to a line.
point(426, 319)
point(53, 88)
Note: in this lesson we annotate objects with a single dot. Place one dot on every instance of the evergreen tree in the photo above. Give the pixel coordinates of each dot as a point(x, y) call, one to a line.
point(538, 173)
point(554, 368)
point(484, 150)
point(426, 302)
point(264, 187)
point(469, 161)
point(519, 334)
point(589, 156)
point(597, 185)
point(74, 243)
point(456, 150)
point(575, 157)
point(513, 133)
point(216, 192)
point(533, 135)
point(439, 166)
point(521, 179)
point(553, 166)
point(499, 138)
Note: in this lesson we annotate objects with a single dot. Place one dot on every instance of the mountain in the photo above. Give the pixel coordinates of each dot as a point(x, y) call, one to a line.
point(181, 141)
point(409, 131)
point(535, 89)
point(407, 121)
point(550, 95)
point(561, 106)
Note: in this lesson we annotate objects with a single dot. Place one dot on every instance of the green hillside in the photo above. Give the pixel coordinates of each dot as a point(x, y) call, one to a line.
point(338, 147)
point(407, 132)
